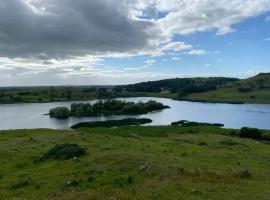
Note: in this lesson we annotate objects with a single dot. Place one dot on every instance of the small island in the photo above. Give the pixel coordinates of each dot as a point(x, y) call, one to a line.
point(113, 123)
point(106, 107)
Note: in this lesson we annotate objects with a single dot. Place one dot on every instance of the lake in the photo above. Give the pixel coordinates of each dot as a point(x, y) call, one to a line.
point(31, 115)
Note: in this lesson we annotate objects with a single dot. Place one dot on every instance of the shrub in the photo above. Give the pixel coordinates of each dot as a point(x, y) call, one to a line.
point(60, 112)
point(253, 133)
point(64, 152)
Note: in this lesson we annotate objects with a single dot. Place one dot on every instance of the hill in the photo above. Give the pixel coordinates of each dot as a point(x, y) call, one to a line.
point(252, 90)
point(175, 88)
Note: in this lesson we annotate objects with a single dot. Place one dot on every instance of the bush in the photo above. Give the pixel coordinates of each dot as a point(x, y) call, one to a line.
point(253, 133)
point(60, 112)
point(64, 152)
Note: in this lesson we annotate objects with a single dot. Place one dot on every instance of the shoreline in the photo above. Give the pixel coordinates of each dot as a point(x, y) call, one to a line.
point(137, 96)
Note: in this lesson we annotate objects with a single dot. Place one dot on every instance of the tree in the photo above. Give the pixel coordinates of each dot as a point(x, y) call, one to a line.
point(60, 112)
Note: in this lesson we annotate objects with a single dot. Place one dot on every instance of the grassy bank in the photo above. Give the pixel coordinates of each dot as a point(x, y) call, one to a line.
point(252, 90)
point(168, 162)
point(231, 95)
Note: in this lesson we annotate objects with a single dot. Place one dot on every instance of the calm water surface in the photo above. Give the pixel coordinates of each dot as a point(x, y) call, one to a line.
point(31, 115)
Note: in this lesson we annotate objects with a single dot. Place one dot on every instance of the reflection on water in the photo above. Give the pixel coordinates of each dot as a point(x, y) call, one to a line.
point(24, 116)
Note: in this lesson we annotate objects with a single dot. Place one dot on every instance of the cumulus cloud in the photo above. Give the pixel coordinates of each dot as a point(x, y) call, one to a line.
point(57, 28)
point(70, 38)
point(189, 16)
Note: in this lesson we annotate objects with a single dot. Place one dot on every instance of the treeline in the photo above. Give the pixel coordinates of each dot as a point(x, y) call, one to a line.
point(53, 94)
point(181, 86)
point(106, 107)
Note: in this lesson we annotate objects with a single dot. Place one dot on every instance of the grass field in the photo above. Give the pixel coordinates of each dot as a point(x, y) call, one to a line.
point(228, 95)
point(252, 90)
point(169, 162)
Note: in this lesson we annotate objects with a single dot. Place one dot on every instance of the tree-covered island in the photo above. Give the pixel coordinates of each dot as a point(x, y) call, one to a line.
point(106, 107)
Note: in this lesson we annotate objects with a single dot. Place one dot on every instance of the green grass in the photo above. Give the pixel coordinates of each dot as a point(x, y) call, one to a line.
point(228, 95)
point(165, 162)
point(257, 91)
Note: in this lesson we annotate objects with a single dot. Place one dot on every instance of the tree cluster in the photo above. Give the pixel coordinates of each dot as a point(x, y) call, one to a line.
point(107, 107)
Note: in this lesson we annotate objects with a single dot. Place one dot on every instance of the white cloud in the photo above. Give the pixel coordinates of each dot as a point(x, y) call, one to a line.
point(176, 46)
point(207, 65)
point(189, 16)
point(36, 37)
point(267, 39)
point(196, 52)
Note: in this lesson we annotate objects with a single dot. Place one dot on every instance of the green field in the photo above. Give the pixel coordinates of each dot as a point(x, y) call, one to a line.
point(168, 162)
point(252, 90)
point(231, 95)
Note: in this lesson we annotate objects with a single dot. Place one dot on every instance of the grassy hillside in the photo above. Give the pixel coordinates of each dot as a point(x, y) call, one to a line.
point(169, 162)
point(180, 86)
point(251, 90)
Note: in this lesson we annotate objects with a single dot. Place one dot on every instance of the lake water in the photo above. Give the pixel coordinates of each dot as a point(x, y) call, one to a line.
point(31, 115)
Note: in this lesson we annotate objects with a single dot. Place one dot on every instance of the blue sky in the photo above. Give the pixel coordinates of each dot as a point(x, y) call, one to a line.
point(136, 41)
point(242, 53)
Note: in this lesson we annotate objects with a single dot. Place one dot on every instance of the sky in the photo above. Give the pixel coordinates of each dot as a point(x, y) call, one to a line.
point(110, 42)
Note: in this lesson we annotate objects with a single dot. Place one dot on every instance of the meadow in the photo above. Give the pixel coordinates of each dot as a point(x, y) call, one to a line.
point(135, 162)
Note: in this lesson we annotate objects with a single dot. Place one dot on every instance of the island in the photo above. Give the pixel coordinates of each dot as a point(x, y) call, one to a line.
point(106, 107)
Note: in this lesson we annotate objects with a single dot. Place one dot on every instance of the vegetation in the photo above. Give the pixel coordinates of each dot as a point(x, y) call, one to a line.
point(107, 107)
point(159, 162)
point(214, 89)
point(113, 123)
point(51, 94)
point(253, 133)
point(64, 152)
point(188, 123)
point(180, 86)
point(252, 90)
point(60, 112)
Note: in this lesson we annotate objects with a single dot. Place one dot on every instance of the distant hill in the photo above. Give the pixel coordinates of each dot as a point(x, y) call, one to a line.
point(178, 86)
point(252, 90)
